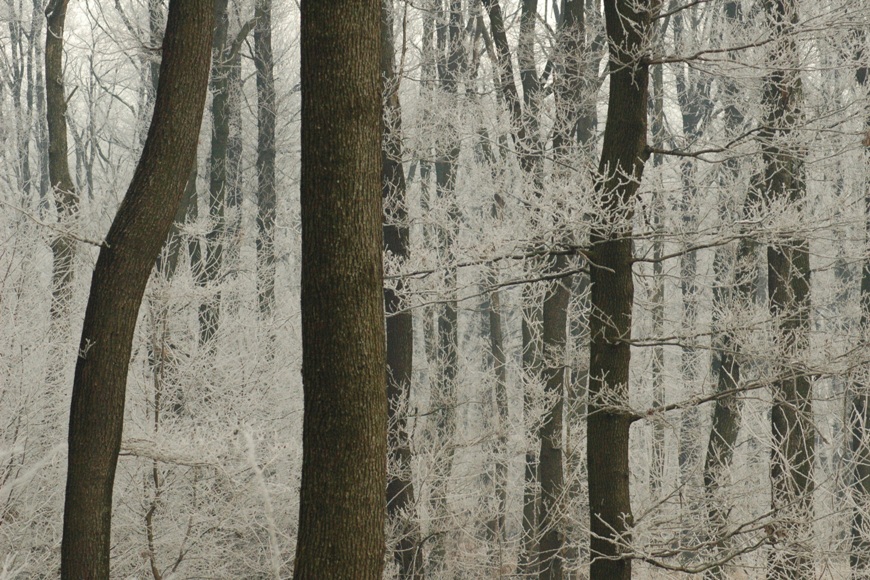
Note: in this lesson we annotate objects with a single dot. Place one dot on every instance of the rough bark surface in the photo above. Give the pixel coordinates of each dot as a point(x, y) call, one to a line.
point(342, 505)
point(123, 267)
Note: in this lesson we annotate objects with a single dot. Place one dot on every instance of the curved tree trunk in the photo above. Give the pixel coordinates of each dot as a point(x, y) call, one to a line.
point(342, 506)
point(123, 267)
point(622, 160)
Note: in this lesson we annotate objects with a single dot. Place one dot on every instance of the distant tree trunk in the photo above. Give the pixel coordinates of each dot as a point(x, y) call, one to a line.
point(657, 469)
point(399, 322)
point(266, 198)
point(623, 155)
point(451, 55)
point(342, 505)
point(788, 272)
point(209, 309)
point(66, 200)
point(859, 416)
point(524, 131)
point(567, 87)
point(119, 279)
point(733, 288)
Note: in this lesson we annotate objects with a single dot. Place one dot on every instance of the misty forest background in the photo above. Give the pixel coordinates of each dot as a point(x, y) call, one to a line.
point(747, 392)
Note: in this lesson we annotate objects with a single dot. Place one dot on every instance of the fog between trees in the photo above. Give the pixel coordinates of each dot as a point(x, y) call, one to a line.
point(625, 282)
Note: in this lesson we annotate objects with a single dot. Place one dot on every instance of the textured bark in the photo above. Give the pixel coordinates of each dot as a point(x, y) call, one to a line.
point(121, 273)
point(788, 284)
point(399, 323)
point(266, 198)
point(66, 201)
point(622, 160)
point(342, 505)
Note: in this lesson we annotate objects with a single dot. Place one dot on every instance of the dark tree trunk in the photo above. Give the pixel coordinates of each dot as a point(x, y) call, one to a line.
point(342, 505)
point(788, 284)
point(66, 200)
point(266, 198)
point(624, 154)
point(123, 267)
point(399, 323)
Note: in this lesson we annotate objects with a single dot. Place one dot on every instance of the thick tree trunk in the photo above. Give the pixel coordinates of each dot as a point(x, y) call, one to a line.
point(623, 156)
point(123, 267)
point(788, 272)
point(401, 507)
point(66, 200)
point(342, 506)
point(266, 198)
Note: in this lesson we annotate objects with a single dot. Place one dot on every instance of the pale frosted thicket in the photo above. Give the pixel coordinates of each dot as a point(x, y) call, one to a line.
point(208, 479)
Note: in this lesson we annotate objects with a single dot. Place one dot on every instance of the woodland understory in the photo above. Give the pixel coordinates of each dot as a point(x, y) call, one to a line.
point(626, 288)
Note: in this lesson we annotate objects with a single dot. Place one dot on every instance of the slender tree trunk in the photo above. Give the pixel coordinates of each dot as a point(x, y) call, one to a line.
point(123, 267)
point(657, 469)
point(266, 198)
point(66, 200)
point(733, 289)
point(342, 506)
point(859, 416)
point(788, 271)
point(623, 155)
point(209, 310)
point(401, 508)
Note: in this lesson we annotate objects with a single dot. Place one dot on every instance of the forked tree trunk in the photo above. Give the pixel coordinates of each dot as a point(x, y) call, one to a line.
point(342, 505)
point(622, 160)
point(120, 276)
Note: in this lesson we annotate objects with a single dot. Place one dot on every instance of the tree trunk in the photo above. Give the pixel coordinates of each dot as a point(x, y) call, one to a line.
point(401, 507)
point(209, 310)
point(788, 271)
point(342, 505)
point(859, 417)
point(266, 198)
point(66, 200)
point(623, 155)
point(733, 289)
point(121, 273)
